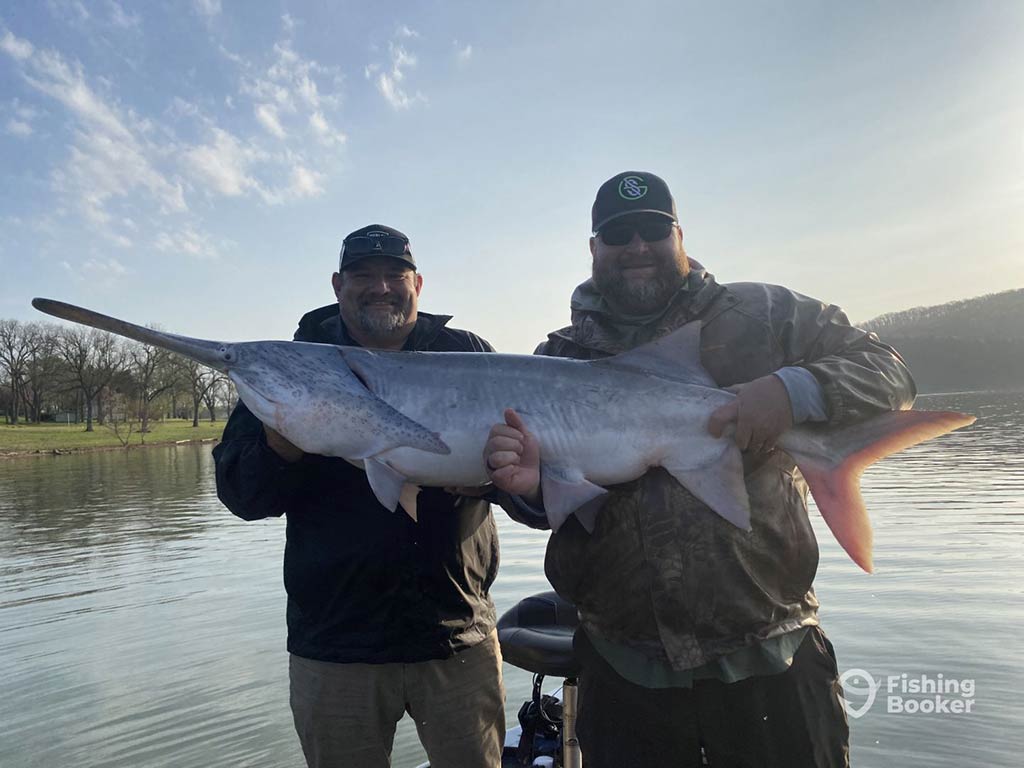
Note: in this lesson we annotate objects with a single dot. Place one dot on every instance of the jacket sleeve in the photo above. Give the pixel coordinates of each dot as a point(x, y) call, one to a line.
point(252, 480)
point(859, 375)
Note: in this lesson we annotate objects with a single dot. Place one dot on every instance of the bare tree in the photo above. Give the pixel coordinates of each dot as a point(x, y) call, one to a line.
point(93, 358)
point(153, 375)
point(214, 394)
point(124, 427)
point(43, 369)
point(15, 351)
point(198, 380)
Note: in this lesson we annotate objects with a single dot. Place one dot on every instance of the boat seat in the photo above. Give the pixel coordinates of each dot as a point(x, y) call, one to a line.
point(536, 635)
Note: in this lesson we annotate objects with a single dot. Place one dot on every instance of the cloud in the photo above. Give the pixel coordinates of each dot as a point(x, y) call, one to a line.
point(267, 116)
point(96, 271)
point(463, 53)
point(305, 183)
point(208, 8)
point(186, 241)
point(72, 11)
point(390, 83)
point(406, 32)
point(222, 164)
point(18, 128)
point(120, 18)
point(111, 159)
point(15, 47)
point(120, 173)
point(323, 131)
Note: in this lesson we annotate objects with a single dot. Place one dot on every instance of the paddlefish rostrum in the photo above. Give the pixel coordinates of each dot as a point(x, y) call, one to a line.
point(421, 418)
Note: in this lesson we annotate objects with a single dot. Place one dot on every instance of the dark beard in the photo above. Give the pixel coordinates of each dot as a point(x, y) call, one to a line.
point(639, 297)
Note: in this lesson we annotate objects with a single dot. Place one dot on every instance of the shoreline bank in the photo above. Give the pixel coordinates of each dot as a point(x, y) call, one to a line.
point(37, 452)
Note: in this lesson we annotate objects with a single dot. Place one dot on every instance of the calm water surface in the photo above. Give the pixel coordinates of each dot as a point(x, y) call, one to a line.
point(141, 624)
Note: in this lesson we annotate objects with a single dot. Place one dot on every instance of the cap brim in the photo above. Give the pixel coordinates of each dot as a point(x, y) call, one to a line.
point(619, 215)
point(405, 259)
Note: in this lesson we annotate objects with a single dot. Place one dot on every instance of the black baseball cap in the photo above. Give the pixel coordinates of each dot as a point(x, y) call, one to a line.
point(631, 192)
point(375, 240)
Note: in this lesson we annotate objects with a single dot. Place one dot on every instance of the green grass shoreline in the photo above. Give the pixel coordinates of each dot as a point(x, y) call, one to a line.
point(48, 439)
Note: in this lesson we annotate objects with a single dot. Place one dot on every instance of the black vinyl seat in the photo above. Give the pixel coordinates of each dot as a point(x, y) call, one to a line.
point(536, 635)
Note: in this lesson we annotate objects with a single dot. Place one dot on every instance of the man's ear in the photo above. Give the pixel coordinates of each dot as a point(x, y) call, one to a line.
point(593, 246)
point(419, 283)
point(336, 283)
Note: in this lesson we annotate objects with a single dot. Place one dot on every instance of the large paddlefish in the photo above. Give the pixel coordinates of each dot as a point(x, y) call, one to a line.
point(421, 418)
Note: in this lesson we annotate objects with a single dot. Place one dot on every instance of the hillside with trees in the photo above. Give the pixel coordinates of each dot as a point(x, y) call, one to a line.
point(972, 344)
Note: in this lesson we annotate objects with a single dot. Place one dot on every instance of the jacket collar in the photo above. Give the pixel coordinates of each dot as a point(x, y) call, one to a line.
point(595, 326)
point(331, 330)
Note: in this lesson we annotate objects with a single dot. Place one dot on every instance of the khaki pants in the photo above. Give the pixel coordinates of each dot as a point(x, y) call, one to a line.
point(346, 714)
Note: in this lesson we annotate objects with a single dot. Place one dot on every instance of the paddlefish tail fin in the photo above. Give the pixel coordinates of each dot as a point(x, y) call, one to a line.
point(833, 459)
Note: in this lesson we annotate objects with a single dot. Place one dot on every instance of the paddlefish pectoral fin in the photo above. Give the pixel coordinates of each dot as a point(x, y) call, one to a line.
point(832, 459)
point(332, 416)
point(390, 486)
point(719, 484)
point(566, 491)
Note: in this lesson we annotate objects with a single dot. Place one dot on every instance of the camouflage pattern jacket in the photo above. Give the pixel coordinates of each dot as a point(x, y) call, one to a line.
point(661, 572)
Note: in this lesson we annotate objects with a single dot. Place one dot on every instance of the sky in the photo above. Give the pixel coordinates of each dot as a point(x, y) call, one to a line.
point(197, 163)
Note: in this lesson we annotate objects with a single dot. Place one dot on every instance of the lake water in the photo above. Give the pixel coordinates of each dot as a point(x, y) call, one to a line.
point(141, 624)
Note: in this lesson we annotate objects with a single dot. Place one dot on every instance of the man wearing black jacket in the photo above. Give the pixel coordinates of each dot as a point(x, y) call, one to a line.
point(386, 615)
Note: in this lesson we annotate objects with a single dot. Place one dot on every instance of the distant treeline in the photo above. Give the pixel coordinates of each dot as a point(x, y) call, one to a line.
point(49, 372)
point(971, 344)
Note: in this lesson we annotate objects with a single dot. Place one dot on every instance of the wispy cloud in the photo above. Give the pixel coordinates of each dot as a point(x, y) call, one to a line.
point(20, 121)
point(391, 80)
point(305, 183)
point(121, 18)
point(323, 131)
point(104, 271)
point(18, 128)
point(267, 116)
point(122, 173)
point(208, 8)
point(222, 164)
point(15, 47)
point(463, 53)
point(186, 241)
point(73, 11)
point(111, 157)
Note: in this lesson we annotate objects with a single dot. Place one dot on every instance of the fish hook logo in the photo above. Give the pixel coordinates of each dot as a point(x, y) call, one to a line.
point(869, 690)
point(632, 188)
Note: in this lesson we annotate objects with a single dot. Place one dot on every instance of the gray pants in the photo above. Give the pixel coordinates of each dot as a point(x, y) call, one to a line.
point(345, 714)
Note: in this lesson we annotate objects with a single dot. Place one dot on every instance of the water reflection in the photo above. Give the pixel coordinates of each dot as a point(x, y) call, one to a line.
point(142, 625)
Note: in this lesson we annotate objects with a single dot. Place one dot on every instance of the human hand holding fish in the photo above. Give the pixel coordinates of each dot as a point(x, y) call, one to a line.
point(512, 458)
point(761, 413)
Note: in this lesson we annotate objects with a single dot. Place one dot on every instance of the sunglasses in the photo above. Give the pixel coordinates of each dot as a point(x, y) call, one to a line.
point(649, 231)
point(363, 245)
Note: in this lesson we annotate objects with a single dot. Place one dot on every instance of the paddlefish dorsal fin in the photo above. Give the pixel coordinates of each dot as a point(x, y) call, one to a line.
point(674, 356)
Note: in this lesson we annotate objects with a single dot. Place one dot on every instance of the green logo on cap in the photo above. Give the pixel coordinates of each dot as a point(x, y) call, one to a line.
point(632, 188)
